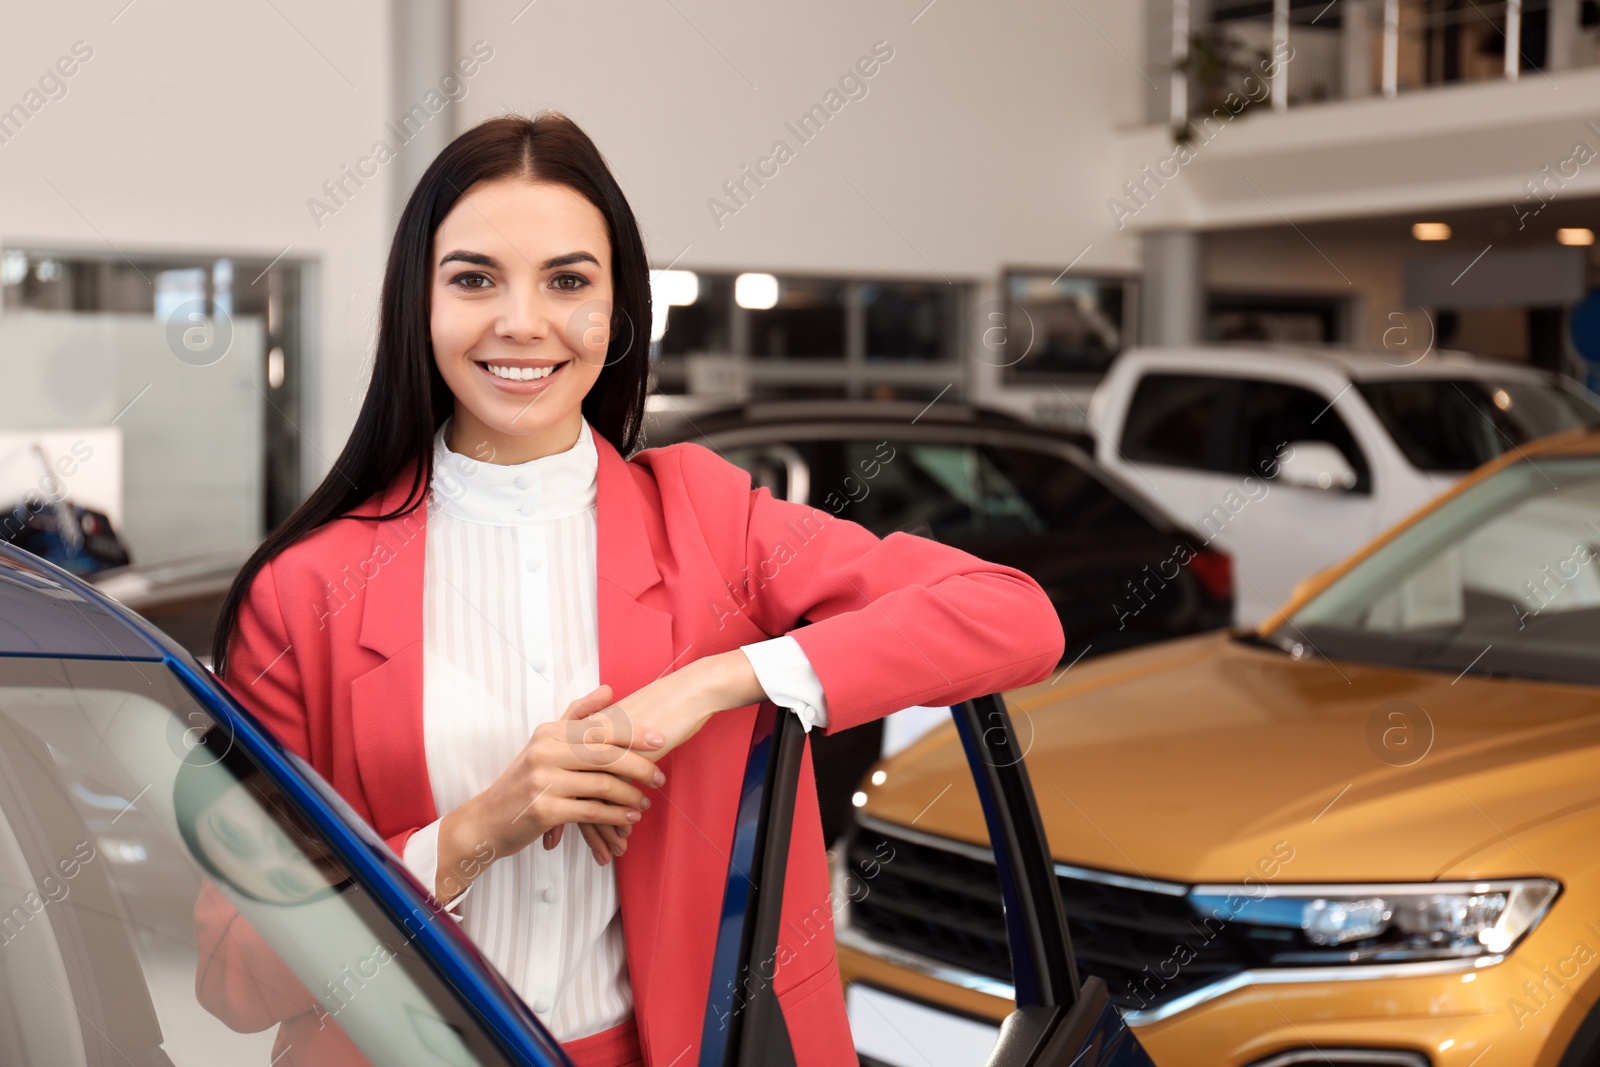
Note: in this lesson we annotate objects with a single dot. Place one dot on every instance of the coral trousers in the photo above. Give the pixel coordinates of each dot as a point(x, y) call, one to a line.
point(616, 1047)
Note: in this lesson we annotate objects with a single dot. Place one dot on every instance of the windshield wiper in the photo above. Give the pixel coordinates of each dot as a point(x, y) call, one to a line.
point(1270, 640)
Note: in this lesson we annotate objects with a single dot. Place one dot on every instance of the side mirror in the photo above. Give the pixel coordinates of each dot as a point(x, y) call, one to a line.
point(1315, 465)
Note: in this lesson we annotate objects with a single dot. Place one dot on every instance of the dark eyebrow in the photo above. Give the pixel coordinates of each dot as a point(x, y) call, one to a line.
point(478, 259)
point(568, 260)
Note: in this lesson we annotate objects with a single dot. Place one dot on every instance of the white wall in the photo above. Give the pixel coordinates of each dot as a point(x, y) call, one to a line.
point(978, 145)
point(205, 127)
point(202, 127)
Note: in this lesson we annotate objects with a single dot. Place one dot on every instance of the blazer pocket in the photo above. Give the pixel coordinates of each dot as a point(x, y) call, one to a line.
point(803, 987)
point(819, 1026)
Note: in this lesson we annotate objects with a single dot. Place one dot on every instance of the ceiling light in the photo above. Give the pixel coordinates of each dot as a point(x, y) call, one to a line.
point(1431, 231)
point(757, 292)
point(1575, 235)
point(275, 367)
point(668, 289)
point(13, 266)
point(675, 288)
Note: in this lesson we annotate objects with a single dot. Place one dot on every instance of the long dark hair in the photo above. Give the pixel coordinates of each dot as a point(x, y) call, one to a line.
point(407, 400)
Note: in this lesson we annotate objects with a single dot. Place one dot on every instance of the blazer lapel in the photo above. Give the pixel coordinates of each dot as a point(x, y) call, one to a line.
point(636, 648)
point(386, 701)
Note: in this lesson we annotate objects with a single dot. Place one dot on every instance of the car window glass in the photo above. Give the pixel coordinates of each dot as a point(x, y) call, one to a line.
point(143, 854)
point(1501, 580)
point(1171, 419)
point(1453, 425)
point(1275, 414)
point(965, 491)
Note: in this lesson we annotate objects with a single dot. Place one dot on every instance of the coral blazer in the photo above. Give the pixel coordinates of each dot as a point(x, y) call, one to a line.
point(692, 562)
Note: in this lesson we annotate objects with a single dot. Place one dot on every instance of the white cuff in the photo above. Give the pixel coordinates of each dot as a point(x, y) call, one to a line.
point(421, 857)
point(785, 672)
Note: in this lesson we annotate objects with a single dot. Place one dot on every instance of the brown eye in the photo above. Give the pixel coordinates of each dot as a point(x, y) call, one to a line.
point(578, 280)
point(463, 280)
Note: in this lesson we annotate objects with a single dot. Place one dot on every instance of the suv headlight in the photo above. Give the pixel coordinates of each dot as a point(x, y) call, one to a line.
point(1321, 924)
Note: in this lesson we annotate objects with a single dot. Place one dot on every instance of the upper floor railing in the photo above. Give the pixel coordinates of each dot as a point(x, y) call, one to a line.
point(1288, 53)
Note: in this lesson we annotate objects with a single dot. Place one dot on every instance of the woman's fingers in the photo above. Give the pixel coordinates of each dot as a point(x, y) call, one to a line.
point(602, 785)
point(592, 748)
point(599, 812)
point(615, 838)
point(575, 796)
point(608, 724)
point(586, 730)
point(607, 841)
point(589, 703)
point(629, 767)
point(596, 845)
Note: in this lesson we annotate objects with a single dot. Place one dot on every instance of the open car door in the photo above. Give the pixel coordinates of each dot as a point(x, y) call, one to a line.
point(1058, 1019)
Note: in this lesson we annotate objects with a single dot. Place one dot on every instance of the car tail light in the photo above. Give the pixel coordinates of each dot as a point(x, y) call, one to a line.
point(1215, 572)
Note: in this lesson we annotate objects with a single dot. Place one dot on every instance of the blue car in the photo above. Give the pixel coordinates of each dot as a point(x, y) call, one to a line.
point(135, 793)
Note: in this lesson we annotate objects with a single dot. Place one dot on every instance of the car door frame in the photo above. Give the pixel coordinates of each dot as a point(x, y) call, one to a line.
point(1058, 1018)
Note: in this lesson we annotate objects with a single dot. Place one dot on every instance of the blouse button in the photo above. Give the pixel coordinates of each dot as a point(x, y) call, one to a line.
point(549, 894)
point(541, 1005)
point(531, 563)
point(520, 482)
point(529, 508)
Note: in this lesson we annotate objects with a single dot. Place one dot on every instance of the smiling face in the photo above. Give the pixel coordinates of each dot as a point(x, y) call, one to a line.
point(520, 318)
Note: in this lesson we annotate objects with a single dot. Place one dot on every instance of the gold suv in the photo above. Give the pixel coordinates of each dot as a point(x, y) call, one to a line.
point(1367, 831)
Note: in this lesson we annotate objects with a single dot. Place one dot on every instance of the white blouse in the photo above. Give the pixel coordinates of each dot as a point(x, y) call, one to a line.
point(510, 638)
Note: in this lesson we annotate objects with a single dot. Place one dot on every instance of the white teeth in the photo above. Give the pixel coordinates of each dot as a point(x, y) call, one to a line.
point(521, 374)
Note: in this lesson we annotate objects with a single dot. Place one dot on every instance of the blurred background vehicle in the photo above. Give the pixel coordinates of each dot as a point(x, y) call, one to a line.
point(1360, 833)
point(1290, 458)
point(987, 483)
point(1119, 572)
point(50, 524)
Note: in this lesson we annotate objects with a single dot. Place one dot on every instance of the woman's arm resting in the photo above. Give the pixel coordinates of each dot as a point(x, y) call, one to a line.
point(895, 621)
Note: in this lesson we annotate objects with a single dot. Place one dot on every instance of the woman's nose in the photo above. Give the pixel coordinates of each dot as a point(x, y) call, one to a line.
point(524, 316)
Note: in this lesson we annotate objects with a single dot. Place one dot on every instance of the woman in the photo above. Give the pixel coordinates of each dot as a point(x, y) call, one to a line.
point(565, 634)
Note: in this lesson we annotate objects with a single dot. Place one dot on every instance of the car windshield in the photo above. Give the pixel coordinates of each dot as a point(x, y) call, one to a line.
point(1501, 580)
point(1453, 425)
point(161, 902)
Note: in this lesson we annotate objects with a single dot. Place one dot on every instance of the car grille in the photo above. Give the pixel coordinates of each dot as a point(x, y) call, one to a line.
point(942, 903)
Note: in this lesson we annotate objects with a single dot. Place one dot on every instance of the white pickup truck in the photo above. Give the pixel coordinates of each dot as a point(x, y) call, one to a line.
point(1291, 458)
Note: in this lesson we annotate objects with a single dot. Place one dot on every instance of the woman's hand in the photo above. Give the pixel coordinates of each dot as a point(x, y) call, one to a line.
point(573, 769)
point(678, 705)
point(605, 841)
